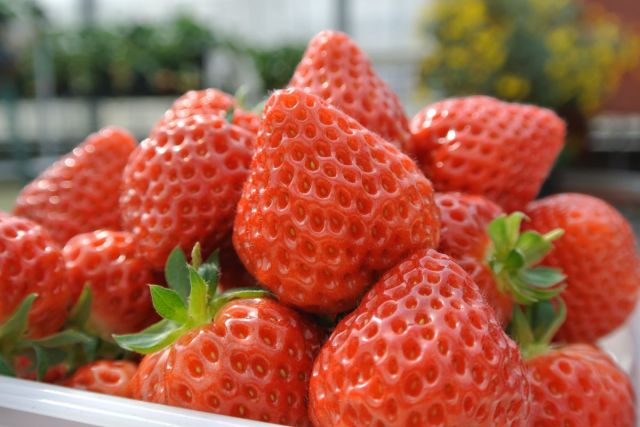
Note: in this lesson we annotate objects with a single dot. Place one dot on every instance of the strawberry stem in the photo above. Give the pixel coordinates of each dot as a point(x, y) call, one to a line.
point(534, 326)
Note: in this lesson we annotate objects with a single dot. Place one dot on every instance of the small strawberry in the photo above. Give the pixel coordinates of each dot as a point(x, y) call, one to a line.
point(480, 145)
point(599, 256)
point(79, 193)
point(489, 246)
point(31, 262)
point(423, 348)
point(211, 102)
point(236, 353)
point(108, 262)
point(328, 205)
point(183, 183)
point(572, 385)
point(104, 376)
point(335, 69)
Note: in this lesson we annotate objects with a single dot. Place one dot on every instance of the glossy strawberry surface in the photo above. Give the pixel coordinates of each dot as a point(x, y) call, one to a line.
point(111, 377)
point(79, 193)
point(328, 205)
point(481, 145)
point(108, 261)
point(182, 184)
point(598, 254)
point(423, 348)
point(334, 68)
point(31, 262)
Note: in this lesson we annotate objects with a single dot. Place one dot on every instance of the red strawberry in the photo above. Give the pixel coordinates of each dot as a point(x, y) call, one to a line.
point(211, 102)
point(481, 145)
point(599, 257)
point(24, 368)
point(181, 185)
point(105, 376)
point(31, 262)
point(233, 273)
point(579, 385)
point(335, 69)
point(423, 348)
point(249, 358)
point(108, 261)
point(79, 193)
point(328, 205)
point(477, 234)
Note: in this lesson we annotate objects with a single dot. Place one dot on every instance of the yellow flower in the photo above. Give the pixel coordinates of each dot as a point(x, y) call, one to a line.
point(512, 86)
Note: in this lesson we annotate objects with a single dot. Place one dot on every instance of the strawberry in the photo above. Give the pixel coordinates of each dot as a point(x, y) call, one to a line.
point(423, 348)
point(480, 145)
point(233, 273)
point(79, 193)
point(328, 205)
point(182, 185)
point(599, 257)
point(211, 102)
point(238, 353)
point(104, 376)
point(489, 246)
point(108, 261)
point(335, 69)
point(31, 262)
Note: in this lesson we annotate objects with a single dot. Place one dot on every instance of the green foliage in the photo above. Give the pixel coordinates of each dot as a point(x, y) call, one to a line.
point(276, 65)
point(555, 53)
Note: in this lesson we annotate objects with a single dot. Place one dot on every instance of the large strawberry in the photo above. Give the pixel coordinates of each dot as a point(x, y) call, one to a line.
point(599, 256)
point(335, 69)
point(572, 385)
point(499, 259)
point(423, 348)
point(481, 145)
point(213, 102)
point(79, 193)
point(182, 185)
point(328, 205)
point(111, 377)
point(238, 353)
point(119, 279)
point(31, 262)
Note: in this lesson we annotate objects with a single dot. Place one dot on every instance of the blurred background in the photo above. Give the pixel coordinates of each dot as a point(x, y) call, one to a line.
point(69, 67)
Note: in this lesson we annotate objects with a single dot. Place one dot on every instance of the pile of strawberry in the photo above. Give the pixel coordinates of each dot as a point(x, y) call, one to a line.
point(326, 263)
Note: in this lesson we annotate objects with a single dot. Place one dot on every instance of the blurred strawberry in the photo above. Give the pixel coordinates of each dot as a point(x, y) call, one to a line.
point(111, 377)
point(335, 69)
point(79, 193)
point(484, 146)
point(182, 184)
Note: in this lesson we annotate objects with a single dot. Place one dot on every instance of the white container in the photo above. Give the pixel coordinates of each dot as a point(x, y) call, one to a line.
point(31, 404)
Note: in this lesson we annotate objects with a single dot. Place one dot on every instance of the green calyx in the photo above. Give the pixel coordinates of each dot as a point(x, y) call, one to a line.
point(534, 326)
point(513, 257)
point(191, 300)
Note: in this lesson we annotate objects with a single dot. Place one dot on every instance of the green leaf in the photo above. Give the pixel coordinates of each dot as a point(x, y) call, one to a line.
point(210, 271)
point(41, 361)
point(16, 325)
point(177, 274)
point(533, 246)
point(152, 339)
point(513, 261)
point(542, 277)
point(64, 338)
point(168, 304)
point(229, 115)
point(504, 232)
point(198, 298)
point(80, 312)
point(520, 329)
point(5, 368)
point(238, 293)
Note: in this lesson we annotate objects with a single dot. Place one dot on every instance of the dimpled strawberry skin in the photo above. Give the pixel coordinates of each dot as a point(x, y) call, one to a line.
point(211, 101)
point(334, 68)
point(79, 193)
point(328, 205)
point(598, 254)
point(464, 219)
point(182, 184)
point(480, 145)
point(30, 261)
point(254, 361)
point(119, 280)
point(104, 376)
point(579, 386)
point(423, 348)
point(148, 383)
